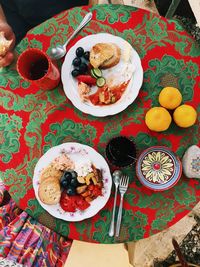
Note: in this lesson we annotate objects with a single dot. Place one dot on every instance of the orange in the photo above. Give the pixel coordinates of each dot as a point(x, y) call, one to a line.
point(185, 116)
point(170, 97)
point(158, 119)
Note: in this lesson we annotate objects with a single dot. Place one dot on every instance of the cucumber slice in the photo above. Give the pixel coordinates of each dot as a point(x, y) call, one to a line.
point(101, 82)
point(92, 74)
point(96, 73)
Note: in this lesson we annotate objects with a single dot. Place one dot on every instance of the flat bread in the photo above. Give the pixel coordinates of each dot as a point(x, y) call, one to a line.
point(4, 44)
point(100, 53)
point(49, 191)
point(114, 60)
point(50, 172)
point(105, 55)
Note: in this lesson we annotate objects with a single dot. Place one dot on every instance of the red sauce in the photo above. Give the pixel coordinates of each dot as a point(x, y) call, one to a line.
point(110, 95)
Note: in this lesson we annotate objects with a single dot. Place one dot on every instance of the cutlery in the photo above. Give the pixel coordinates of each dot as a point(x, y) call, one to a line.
point(123, 185)
point(179, 253)
point(60, 50)
point(116, 178)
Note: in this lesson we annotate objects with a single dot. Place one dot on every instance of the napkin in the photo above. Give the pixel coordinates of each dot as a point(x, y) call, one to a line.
point(86, 254)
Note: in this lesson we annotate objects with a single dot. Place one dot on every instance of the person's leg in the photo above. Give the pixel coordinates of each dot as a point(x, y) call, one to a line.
point(18, 24)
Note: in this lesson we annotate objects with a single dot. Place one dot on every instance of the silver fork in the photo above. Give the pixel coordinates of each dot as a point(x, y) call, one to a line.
point(123, 185)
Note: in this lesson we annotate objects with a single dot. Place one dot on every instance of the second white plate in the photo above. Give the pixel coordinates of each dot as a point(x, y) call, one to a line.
point(75, 150)
point(70, 84)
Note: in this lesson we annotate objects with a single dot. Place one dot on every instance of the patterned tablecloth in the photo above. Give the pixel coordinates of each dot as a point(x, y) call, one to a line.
point(32, 120)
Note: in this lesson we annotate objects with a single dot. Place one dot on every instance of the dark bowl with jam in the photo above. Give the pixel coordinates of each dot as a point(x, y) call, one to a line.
point(121, 151)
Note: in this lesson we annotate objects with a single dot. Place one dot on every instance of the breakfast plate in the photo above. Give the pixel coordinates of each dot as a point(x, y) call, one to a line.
point(132, 66)
point(76, 151)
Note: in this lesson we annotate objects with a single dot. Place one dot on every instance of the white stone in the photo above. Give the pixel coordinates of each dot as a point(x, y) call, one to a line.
point(191, 162)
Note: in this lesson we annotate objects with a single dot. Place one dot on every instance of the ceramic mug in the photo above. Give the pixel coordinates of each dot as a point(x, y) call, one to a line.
point(35, 66)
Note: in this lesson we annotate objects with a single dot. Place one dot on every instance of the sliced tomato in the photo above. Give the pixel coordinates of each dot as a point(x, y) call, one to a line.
point(67, 203)
point(82, 203)
point(86, 79)
point(94, 99)
point(71, 203)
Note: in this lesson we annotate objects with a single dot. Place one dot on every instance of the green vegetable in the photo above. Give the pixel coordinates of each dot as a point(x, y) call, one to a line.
point(96, 73)
point(100, 82)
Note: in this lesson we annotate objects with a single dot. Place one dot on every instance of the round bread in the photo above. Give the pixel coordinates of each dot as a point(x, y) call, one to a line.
point(49, 191)
point(99, 53)
point(50, 172)
point(114, 60)
point(105, 55)
point(4, 44)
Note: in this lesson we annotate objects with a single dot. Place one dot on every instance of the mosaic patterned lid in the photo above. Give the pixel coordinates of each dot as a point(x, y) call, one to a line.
point(158, 168)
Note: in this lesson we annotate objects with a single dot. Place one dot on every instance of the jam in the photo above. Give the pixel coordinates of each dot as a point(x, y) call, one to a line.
point(121, 151)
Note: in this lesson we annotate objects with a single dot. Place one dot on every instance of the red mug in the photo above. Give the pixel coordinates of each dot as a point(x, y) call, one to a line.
point(35, 66)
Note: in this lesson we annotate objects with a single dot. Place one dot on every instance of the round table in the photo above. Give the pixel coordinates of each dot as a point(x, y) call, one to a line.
point(32, 120)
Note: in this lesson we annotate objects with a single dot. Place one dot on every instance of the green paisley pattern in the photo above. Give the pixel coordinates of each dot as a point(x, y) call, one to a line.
point(32, 120)
point(113, 13)
point(18, 182)
point(9, 136)
point(10, 77)
point(156, 29)
point(25, 43)
point(70, 131)
point(182, 75)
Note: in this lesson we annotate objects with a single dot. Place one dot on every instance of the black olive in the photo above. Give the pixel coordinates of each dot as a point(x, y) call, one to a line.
point(86, 55)
point(71, 191)
point(76, 62)
point(64, 183)
point(75, 72)
point(74, 174)
point(83, 68)
point(79, 51)
point(74, 182)
point(68, 175)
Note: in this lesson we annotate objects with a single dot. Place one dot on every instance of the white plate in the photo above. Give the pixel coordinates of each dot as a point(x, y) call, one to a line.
point(70, 84)
point(74, 149)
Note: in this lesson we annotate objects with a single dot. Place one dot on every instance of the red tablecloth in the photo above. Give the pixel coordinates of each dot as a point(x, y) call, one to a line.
point(32, 120)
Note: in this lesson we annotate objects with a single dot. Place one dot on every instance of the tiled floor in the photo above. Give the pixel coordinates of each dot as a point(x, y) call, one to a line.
point(144, 252)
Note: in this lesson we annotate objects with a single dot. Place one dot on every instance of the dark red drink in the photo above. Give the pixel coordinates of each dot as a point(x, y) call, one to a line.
point(121, 151)
point(38, 69)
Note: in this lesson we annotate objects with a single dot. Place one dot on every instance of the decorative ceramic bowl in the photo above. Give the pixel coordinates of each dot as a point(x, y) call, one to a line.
point(158, 168)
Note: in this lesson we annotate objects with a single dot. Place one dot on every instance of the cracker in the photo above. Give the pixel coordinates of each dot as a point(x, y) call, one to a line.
point(49, 191)
point(50, 172)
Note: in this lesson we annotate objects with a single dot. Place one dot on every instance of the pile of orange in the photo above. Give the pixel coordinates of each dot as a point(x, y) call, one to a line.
point(159, 119)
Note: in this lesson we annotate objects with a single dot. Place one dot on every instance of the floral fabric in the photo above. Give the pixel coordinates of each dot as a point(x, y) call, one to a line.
point(25, 241)
point(7, 263)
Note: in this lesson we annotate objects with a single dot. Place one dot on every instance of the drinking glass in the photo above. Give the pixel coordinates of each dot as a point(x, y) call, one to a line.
point(35, 66)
